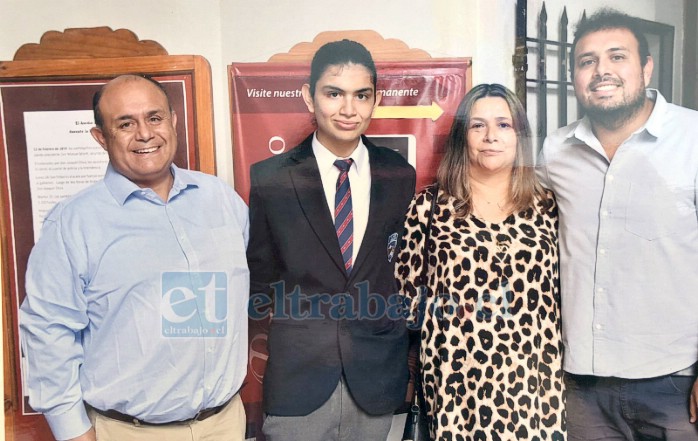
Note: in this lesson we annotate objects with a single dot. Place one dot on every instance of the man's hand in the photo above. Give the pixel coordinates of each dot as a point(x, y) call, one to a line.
point(90, 435)
point(693, 409)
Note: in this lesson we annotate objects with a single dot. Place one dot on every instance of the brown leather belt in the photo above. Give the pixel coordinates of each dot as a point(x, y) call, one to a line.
point(202, 415)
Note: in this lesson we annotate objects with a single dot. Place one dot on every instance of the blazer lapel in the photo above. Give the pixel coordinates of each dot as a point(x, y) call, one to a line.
point(311, 197)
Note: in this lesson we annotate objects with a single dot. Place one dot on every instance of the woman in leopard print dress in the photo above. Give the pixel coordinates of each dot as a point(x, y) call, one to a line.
point(490, 345)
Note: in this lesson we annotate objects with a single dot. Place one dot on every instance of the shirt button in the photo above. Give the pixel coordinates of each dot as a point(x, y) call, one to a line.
point(610, 177)
point(604, 213)
point(602, 251)
point(209, 350)
point(598, 326)
point(599, 290)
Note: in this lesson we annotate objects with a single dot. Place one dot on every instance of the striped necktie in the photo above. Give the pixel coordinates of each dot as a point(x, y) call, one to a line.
point(343, 213)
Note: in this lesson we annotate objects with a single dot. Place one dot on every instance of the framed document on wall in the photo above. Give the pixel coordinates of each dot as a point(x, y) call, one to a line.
point(48, 154)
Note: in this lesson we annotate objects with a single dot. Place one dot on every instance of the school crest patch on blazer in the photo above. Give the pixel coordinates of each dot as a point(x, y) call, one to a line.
point(392, 246)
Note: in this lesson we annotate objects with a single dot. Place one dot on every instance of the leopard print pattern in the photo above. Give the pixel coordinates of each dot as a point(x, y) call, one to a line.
point(491, 348)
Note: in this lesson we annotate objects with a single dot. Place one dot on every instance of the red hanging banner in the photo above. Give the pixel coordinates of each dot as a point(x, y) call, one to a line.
point(419, 102)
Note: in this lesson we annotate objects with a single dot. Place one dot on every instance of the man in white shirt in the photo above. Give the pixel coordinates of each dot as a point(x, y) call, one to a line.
point(625, 181)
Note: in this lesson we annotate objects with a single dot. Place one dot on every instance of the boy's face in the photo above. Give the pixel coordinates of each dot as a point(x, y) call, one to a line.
point(343, 104)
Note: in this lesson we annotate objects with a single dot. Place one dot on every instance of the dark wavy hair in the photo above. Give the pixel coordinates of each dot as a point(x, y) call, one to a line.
point(606, 19)
point(453, 174)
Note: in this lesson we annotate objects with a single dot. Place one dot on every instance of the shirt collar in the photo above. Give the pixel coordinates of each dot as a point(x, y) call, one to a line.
point(655, 122)
point(325, 158)
point(653, 125)
point(121, 187)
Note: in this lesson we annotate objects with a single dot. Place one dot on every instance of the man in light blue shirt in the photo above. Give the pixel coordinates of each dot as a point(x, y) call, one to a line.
point(134, 325)
point(625, 181)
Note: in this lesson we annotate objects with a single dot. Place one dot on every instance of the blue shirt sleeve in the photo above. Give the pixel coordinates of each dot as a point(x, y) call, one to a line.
point(241, 213)
point(51, 318)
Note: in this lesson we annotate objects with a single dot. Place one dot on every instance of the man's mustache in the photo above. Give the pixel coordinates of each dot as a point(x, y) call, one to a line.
point(607, 79)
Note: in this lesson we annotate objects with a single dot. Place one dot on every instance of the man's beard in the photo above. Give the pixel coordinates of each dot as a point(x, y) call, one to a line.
point(615, 115)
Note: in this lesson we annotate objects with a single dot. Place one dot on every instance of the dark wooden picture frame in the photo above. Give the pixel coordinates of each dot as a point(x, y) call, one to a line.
point(68, 84)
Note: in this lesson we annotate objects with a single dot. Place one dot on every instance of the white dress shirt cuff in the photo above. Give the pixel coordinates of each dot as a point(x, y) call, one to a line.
point(70, 424)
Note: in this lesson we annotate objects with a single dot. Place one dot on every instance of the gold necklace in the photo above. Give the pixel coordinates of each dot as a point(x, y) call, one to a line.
point(501, 204)
point(498, 204)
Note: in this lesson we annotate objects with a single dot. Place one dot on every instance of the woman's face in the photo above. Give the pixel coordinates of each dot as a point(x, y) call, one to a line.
point(491, 136)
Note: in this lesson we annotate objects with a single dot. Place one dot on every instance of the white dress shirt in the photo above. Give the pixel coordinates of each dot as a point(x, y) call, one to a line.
point(628, 245)
point(359, 180)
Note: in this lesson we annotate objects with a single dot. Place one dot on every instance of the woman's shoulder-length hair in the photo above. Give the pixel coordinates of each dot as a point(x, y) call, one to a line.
point(454, 169)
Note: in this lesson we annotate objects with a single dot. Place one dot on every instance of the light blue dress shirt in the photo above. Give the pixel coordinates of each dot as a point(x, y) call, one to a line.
point(628, 245)
point(137, 305)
